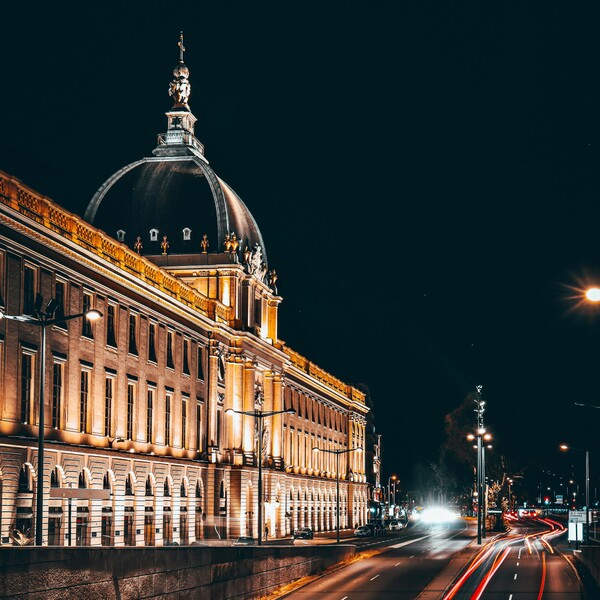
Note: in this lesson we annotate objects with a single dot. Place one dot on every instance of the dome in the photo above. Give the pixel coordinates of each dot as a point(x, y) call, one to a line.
point(179, 197)
point(173, 202)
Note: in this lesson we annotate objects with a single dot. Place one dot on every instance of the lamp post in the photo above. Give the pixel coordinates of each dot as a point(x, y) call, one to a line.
point(259, 415)
point(566, 447)
point(390, 479)
point(481, 436)
point(337, 480)
point(42, 318)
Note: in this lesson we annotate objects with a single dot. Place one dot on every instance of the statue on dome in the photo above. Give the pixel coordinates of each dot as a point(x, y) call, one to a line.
point(137, 246)
point(180, 88)
point(227, 243)
point(204, 243)
point(164, 244)
point(272, 280)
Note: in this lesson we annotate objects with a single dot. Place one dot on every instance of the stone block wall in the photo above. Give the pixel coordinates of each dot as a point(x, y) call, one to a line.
point(210, 573)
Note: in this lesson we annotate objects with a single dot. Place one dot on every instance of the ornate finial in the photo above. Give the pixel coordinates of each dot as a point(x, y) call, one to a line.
point(164, 244)
point(181, 47)
point(180, 87)
point(204, 243)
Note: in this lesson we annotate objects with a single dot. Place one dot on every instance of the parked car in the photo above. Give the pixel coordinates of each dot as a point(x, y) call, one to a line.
point(245, 540)
point(304, 533)
point(395, 525)
point(364, 531)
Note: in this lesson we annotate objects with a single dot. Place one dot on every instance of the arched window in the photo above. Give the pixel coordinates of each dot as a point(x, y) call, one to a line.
point(54, 478)
point(121, 235)
point(82, 484)
point(25, 485)
point(128, 486)
point(183, 491)
point(149, 490)
point(167, 489)
point(153, 235)
point(187, 234)
point(106, 482)
point(198, 491)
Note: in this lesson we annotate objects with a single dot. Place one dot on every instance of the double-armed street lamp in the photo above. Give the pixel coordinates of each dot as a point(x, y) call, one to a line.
point(337, 480)
point(482, 436)
point(566, 447)
point(259, 415)
point(42, 318)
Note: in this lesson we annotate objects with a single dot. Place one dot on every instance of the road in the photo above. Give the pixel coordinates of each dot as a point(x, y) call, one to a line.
point(426, 564)
point(409, 563)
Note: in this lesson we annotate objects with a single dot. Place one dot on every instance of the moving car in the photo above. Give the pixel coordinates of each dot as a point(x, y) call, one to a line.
point(304, 533)
point(245, 540)
point(395, 525)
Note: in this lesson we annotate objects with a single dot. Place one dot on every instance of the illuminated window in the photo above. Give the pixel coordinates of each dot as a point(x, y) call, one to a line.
point(133, 320)
point(199, 425)
point(27, 364)
point(30, 283)
point(60, 295)
point(186, 361)
point(57, 392)
point(152, 342)
point(168, 420)
point(86, 324)
point(111, 326)
point(200, 366)
point(187, 234)
point(108, 403)
point(84, 394)
point(153, 235)
point(170, 362)
point(149, 416)
point(121, 235)
point(130, 408)
point(184, 405)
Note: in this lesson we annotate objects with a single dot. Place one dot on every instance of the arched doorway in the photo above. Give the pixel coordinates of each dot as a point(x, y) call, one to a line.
point(167, 515)
point(184, 530)
point(108, 529)
point(199, 524)
point(129, 511)
point(149, 511)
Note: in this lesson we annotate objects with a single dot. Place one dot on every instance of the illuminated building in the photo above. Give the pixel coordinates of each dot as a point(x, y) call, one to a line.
point(135, 402)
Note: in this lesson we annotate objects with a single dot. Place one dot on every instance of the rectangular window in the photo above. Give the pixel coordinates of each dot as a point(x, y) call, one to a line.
point(200, 366)
point(29, 289)
point(168, 420)
point(132, 349)
point(198, 426)
point(186, 360)
point(257, 311)
point(86, 324)
point(184, 405)
point(57, 391)
point(130, 406)
point(111, 326)
point(170, 361)
point(26, 387)
point(108, 403)
point(60, 295)
point(149, 416)
point(218, 440)
point(152, 342)
point(84, 394)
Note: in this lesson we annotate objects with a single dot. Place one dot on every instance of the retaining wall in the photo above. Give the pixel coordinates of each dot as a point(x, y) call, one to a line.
point(169, 573)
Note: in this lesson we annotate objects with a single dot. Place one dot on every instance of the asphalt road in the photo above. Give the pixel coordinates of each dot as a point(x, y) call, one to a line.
point(408, 565)
point(446, 564)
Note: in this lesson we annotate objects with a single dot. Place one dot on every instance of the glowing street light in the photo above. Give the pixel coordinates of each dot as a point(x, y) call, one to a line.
point(337, 479)
point(390, 479)
point(42, 318)
point(259, 415)
point(593, 294)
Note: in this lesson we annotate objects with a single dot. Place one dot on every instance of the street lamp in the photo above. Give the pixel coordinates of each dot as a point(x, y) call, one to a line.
point(337, 479)
point(390, 479)
point(42, 318)
point(566, 447)
point(481, 436)
point(259, 415)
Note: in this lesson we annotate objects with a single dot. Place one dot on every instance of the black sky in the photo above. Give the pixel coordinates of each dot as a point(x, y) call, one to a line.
point(424, 175)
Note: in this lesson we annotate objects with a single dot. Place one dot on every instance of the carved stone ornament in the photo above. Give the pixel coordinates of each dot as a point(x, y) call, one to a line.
point(259, 396)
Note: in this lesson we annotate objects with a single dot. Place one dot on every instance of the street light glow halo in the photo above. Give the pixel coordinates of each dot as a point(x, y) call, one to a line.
point(593, 294)
point(93, 315)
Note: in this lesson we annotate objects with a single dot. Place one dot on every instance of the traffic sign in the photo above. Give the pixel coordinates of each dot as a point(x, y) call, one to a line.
point(577, 516)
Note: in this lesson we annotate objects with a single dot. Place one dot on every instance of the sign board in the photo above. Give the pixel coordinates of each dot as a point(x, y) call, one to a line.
point(558, 499)
point(575, 532)
point(577, 516)
point(82, 494)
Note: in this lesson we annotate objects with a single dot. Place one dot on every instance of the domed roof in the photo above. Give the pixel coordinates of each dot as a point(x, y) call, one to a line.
point(174, 193)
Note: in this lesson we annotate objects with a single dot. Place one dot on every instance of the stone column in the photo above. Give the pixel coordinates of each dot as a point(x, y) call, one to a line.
point(248, 402)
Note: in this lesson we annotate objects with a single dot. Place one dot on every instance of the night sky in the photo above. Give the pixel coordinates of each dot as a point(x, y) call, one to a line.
point(424, 175)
